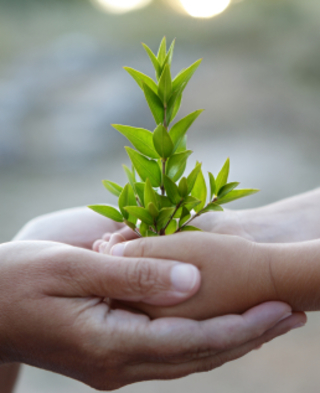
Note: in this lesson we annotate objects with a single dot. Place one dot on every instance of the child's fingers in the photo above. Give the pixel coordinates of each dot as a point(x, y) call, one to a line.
point(105, 247)
point(97, 244)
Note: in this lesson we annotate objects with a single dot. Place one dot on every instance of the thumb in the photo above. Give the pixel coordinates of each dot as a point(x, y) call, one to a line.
point(79, 272)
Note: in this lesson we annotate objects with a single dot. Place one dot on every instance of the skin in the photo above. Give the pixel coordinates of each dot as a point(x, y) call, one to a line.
point(258, 271)
point(63, 323)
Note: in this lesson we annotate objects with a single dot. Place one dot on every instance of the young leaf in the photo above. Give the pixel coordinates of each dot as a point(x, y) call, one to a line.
point(141, 78)
point(176, 165)
point(165, 215)
point(223, 175)
point(155, 104)
point(213, 185)
point(154, 60)
point(179, 130)
point(141, 139)
point(173, 105)
point(163, 201)
point(172, 190)
point(213, 207)
point(112, 187)
point(172, 227)
point(152, 209)
point(162, 52)
point(149, 194)
point(107, 211)
point(141, 213)
point(126, 198)
point(130, 176)
point(165, 85)
point(162, 142)
point(185, 216)
point(139, 187)
point(146, 168)
point(183, 145)
point(237, 194)
point(143, 229)
point(190, 228)
point(200, 192)
point(130, 224)
point(193, 177)
point(227, 188)
point(183, 187)
point(169, 56)
point(185, 75)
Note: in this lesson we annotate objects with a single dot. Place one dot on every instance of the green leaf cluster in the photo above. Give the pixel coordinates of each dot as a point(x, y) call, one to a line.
point(158, 198)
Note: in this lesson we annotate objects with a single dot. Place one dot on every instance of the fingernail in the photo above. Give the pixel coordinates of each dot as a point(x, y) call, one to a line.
point(184, 277)
point(118, 250)
point(299, 325)
point(285, 316)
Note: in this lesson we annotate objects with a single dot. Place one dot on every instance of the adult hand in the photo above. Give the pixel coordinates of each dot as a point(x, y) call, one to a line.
point(54, 316)
point(78, 227)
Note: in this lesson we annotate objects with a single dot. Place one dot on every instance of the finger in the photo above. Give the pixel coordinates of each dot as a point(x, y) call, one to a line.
point(96, 245)
point(126, 232)
point(172, 371)
point(179, 340)
point(77, 272)
point(180, 246)
point(106, 247)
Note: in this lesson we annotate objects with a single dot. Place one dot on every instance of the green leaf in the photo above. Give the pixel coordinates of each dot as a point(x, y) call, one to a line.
point(190, 201)
point(185, 75)
point(153, 210)
point(112, 187)
point(139, 187)
point(164, 215)
point(163, 201)
point(141, 213)
point(183, 145)
point(190, 228)
point(227, 188)
point(126, 198)
point(162, 142)
point(172, 190)
point(172, 227)
point(176, 165)
point(213, 207)
point(165, 85)
point(183, 187)
point(145, 168)
point(169, 56)
point(213, 185)
point(237, 194)
point(141, 78)
point(200, 191)
point(130, 176)
point(185, 216)
point(141, 139)
point(144, 228)
point(162, 52)
point(179, 130)
point(151, 234)
point(193, 177)
point(130, 224)
point(155, 104)
point(223, 175)
point(173, 105)
point(154, 60)
point(149, 194)
point(107, 211)
point(178, 213)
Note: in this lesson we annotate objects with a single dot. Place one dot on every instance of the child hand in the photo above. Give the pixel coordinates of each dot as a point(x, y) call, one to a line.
point(235, 272)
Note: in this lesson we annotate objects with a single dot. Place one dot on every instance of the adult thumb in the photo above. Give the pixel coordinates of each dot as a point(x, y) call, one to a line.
point(82, 273)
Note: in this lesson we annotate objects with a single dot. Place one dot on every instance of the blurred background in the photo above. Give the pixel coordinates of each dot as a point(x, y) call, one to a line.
point(62, 84)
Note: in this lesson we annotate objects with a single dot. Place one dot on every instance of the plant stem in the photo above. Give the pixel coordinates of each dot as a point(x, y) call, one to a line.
point(163, 230)
point(163, 191)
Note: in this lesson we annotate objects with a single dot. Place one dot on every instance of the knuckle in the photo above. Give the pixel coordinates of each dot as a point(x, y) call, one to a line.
point(140, 276)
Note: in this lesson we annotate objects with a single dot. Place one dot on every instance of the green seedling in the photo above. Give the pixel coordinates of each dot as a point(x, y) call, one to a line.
point(158, 199)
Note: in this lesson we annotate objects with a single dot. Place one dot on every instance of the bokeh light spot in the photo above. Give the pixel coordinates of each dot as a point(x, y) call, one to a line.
point(121, 6)
point(204, 8)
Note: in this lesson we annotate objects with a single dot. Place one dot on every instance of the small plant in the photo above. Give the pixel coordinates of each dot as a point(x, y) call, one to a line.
point(163, 202)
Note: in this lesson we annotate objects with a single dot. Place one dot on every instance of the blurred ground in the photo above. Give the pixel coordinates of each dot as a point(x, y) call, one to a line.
point(61, 85)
